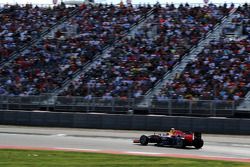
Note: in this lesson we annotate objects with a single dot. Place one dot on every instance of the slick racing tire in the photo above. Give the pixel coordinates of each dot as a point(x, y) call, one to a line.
point(144, 140)
point(198, 143)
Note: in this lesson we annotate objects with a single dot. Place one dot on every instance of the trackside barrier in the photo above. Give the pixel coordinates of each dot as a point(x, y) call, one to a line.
point(126, 122)
point(47, 102)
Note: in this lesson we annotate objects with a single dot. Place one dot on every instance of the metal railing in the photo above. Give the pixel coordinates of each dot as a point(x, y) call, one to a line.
point(4, 5)
point(194, 107)
point(49, 102)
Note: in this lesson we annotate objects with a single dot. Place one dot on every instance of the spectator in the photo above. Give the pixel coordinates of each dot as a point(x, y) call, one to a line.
point(45, 66)
point(135, 64)
point(221, 72)
point(19, 26)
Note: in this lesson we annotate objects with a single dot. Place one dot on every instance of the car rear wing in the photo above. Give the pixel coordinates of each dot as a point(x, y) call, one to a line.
point(197, 135)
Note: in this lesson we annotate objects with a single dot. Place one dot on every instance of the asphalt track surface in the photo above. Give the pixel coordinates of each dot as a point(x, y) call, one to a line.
point(216, 147)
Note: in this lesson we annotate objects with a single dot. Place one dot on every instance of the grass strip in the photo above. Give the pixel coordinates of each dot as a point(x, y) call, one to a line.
point(30, 158)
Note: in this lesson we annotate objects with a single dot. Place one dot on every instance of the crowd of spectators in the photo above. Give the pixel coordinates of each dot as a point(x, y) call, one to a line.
point(245, 13)
point(136, 63)
point(21, 24)
point(240, 20)
point(46, 65)
point(221, 72)
point(191, 22)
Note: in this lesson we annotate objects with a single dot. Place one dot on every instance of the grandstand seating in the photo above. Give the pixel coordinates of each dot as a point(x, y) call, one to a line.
point(245, 16)
point(241, 19)
point(44, 66)
point(20, 25)
point(134, 64)
point(221, 71)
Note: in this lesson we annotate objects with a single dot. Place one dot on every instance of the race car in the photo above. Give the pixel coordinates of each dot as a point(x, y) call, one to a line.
point(175, 138)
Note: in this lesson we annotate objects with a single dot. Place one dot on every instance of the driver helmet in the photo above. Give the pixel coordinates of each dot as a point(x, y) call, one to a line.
point(172, 130)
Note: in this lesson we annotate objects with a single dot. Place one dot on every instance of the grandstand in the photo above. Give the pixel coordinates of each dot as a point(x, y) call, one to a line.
point(168, 59)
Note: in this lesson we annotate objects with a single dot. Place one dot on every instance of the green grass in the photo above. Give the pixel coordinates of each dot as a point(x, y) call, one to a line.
point(21, 158)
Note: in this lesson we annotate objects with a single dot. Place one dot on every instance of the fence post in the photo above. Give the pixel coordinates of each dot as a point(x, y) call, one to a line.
point(170, 106)
point(133, 104)
point(8, 102)
point(88, 105)
point(2, 103)
point(113, 103)
point(233, 108)
point(149, 104)
point(93, 103)
point(39, 98)
point(190, 107)
point(213, 108)
point(74, 103)
point(54, 102)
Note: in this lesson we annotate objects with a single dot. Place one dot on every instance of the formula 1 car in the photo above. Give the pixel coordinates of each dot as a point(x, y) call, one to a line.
point(177, 139)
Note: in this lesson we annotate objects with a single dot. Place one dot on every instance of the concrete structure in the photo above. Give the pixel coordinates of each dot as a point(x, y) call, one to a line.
point(128, 122)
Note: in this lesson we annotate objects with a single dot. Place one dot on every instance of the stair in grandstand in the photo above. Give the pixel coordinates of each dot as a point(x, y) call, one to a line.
point(97, 57)
point(245, 105)
point(42, 35)
point(169, 76)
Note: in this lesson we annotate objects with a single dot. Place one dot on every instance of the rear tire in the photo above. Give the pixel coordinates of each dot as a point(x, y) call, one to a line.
point(198, 143)
point(197, 135)
point(144, 140)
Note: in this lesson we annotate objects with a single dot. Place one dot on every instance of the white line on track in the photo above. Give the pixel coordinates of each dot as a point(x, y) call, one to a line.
point(60, 135)
point(241, 145)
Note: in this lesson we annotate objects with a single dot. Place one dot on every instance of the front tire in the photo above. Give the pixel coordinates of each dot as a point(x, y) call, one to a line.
point(144, 140)
point(198, 143)
point(181, 143)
